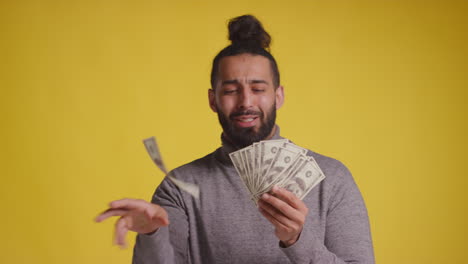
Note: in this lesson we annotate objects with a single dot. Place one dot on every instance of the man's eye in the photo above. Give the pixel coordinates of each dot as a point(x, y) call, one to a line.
point(229, 91)
point(258, 90)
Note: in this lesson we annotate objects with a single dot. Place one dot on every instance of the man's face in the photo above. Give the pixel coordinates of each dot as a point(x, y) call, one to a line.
point(246, 99)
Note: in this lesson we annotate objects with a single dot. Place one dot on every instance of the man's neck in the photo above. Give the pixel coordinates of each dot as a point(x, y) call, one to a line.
point(272, 133)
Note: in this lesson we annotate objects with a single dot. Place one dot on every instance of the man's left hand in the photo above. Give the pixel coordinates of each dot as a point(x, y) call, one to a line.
point(286, 212)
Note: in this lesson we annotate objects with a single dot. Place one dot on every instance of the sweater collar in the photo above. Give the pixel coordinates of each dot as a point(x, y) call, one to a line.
point(222, 153)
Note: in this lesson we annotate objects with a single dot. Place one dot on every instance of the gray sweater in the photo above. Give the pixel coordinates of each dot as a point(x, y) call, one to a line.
point(224, 225)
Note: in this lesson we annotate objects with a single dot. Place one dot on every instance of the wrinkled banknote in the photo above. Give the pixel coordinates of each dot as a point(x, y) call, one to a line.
point(155, 154)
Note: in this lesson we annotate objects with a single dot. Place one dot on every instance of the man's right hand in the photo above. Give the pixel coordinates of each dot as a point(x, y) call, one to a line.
point(135, 215)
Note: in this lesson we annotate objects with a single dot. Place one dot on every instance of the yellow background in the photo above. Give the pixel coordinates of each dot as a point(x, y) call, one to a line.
point(379, 85)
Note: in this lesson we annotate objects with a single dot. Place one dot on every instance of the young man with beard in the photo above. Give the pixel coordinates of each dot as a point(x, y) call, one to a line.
point(330, 225)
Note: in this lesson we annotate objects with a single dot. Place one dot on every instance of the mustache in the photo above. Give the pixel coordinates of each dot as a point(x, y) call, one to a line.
point(247, 112)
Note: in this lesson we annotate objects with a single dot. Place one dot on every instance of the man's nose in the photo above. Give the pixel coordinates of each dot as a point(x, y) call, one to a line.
point(245, 99)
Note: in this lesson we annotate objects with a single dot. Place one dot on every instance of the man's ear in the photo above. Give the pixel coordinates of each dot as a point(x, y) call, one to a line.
point(212, 100)
point(279, 94)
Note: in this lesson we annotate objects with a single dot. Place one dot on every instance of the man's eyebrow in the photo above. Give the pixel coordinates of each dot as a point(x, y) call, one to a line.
point(235, 81)
point(258, 81)
point(230, 82)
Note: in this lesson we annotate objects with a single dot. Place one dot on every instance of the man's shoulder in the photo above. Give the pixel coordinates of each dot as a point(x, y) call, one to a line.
point(334, 170)
point(195, 167)
point(326, 162)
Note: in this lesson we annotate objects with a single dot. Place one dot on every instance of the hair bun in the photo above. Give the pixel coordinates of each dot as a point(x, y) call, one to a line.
point(247, 31)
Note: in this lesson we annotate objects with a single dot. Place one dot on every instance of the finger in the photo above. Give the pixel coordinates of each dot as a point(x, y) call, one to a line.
point(283, 207)
point(274, 214)
point(120, 232)
point(288, 197)
point(271, 218)
point(127, 203)
point(109, 213)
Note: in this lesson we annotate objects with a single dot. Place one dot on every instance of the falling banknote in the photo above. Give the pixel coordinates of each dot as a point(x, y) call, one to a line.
point(153, 151)
point(276, 163)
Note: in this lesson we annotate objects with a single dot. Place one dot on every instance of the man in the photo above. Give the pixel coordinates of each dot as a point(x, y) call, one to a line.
point(330, 225)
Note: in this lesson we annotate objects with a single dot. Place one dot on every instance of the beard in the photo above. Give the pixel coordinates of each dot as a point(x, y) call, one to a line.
point(245, 136)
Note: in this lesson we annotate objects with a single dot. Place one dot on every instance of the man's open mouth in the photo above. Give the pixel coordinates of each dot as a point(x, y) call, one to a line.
point(245, 120)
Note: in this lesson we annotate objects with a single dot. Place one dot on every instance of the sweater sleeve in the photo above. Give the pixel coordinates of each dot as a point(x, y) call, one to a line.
point(169, 244)
point(347, 233)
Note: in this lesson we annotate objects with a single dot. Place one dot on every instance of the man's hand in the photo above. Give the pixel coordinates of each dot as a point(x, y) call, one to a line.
point(286, 212)
point(135, 215)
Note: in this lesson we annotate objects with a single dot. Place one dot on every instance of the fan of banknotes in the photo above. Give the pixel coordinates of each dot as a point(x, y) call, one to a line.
point(265, 164)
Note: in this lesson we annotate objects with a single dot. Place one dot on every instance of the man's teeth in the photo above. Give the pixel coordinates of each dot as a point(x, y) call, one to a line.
point(246, 119)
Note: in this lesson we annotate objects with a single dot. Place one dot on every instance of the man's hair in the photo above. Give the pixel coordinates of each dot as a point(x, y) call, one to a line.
point(247, 35)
